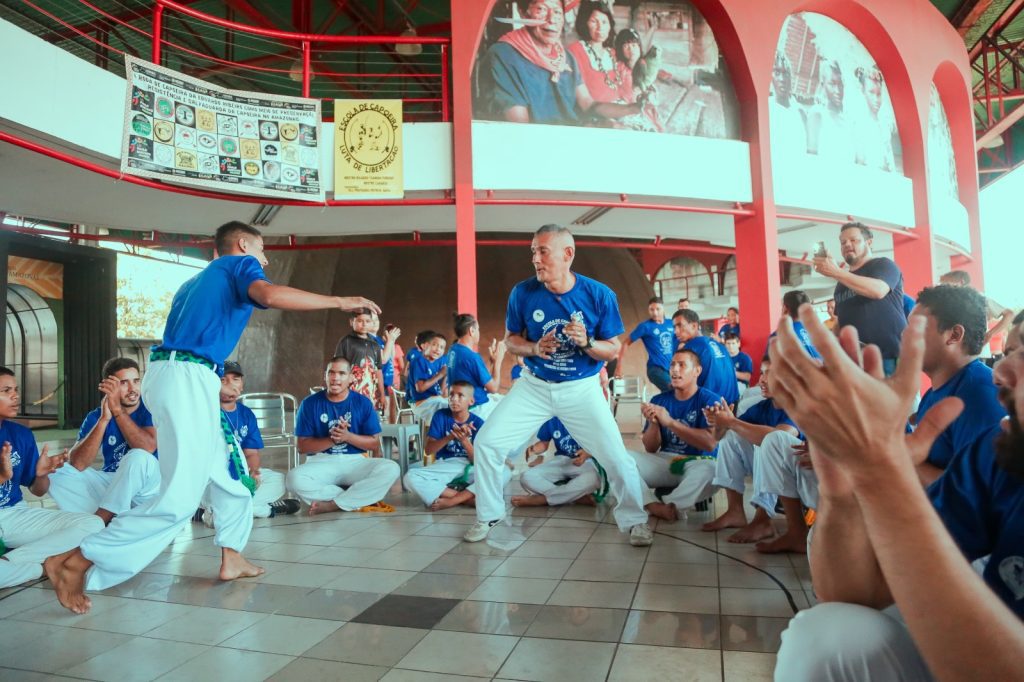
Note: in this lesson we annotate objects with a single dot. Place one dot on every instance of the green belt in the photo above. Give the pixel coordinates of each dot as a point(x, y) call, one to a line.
point(182, 356)
point(678, 465)
point(461, 482)
point(601, 492)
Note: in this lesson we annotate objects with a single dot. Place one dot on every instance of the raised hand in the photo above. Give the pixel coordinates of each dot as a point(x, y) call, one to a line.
point(6, 468)
point(547, 345)
point(112, 392)
point(350, 303)
point(392, 334)
point(47, 465)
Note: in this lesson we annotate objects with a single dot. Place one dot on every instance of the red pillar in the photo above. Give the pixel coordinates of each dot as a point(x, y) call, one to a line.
point(465, 34)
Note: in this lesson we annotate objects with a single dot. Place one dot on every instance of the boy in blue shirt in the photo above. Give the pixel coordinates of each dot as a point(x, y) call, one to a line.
point(448, 481)
point(659, 340)
point(427, 378)
point(30, 533)
point(569, 477)
point(717, 374)
point(741, 362)
point(181, 389)
point(676, 434)
point(466, 364)
point(335, 428)
point(742, 441)
point(121, 430)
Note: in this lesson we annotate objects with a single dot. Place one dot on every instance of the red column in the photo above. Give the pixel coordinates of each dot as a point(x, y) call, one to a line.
point(465, 33)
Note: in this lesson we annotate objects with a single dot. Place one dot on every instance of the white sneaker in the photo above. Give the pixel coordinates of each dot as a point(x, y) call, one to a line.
point(641, 535)
point(479, 530)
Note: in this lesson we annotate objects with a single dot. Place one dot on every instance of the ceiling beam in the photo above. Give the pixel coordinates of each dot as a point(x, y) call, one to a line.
point(997, 27)
point(125, 16)
point(968, 15)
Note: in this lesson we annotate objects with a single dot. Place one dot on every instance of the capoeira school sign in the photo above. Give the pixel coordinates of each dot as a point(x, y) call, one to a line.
point(368, 148)
point(183, 130)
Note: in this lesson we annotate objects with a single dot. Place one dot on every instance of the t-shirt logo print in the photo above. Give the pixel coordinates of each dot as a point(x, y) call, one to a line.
point(538, 315)
point(111, 440)
point(323, 418)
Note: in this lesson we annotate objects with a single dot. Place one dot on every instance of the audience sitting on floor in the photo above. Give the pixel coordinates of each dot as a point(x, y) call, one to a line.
point(741, 362)
point(365, 356)
point(337, 430)
point(570, 477)
point(741, 442)
point(268, 499)
point(465, 364)
point(30, 534)
point(427, 385)
point(717, 372)
point(657, 336)
point(448, 481)
point(680, 449)
point(898, 601)
point(121, 431)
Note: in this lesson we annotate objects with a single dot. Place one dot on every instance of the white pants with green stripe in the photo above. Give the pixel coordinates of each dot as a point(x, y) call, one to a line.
point(543, 480)
point(430, 481)
point(689, 489)
point(33, 534)
point(184, 400)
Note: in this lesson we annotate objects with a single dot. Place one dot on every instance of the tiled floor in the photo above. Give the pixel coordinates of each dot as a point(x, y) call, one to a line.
point(555, 594)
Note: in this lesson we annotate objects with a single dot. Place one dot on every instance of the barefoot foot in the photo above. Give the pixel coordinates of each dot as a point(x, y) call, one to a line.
point(586, 501)
point(730, 519)
point(67, 573)
point(444, 503)
point(663, 511)
point(752, 532)
point(323, 507)
point(529, 501)
point(233, 565)
point(790, 542)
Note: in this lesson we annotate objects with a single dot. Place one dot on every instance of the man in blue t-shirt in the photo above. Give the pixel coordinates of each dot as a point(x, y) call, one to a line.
point(566, 327)
point(449, 480)
point(791, 303)
point(338, 430)
point(659, 340)
point(765, 426)
point(717, 372)
point(741, 362)
point(181, 389)
point(427, 385)
point(954, 337)
point(31, 534)
point(121, 430)
point(869, 293)
point(268, 501)
point(570, 476)
point(680, 449)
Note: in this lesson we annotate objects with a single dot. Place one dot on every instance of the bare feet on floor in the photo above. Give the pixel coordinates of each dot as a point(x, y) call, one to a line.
point(233, 565)
point(67, 573)
point(730, 519)
point(753, 531)
point(529, 501)
point(323, 507)
point(790, 542)
point(444, 503)
point(663, 511)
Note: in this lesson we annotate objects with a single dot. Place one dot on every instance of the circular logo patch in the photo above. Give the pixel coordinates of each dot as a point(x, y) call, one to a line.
point(538, 315)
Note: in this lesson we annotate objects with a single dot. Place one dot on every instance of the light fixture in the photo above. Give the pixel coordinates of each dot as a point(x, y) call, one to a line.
point(264, 214)
point(994, 143)
point(592, 215)
point(409, 49)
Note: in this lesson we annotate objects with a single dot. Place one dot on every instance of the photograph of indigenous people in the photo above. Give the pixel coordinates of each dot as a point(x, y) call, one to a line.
point(631, 65)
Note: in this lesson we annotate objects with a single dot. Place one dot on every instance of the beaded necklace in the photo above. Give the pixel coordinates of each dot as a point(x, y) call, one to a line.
point(611, 76)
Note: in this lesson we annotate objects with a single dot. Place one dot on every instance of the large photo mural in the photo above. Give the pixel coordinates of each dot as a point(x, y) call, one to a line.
point(632, 65)
point(829, 98)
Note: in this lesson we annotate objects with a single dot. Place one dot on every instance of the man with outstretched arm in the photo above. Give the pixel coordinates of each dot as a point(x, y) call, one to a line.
point(182, 389)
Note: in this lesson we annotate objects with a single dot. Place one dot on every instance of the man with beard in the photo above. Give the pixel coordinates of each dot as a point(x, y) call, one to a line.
point(869, 293)
point(121, 430)
point(884, 555)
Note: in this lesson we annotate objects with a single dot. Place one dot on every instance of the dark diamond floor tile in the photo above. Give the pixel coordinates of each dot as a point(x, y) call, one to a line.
point(407, 612)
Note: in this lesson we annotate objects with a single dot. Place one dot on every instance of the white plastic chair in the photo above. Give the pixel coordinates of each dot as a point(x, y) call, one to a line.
point(276, 421)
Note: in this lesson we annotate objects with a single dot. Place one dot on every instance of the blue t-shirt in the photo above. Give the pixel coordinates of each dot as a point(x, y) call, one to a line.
point(209, 312)
point(803, 336)
point(767, 413)
point(908, 305)
point(659, 340)
point(317, 415)
point(554, 430)
point(114, 444)
point(465, 364)
point(387, 369)
point(441, 425)
point(982, 409)
point(246, 428)
point(507, 79)
point(689, 412)
point(717, 374)
point(533, 311)
point(421, 369)
point(729, 329)
point(517, 371)
point(877, 321)
point(24, 458)
point(982, 506)
point(741, 362)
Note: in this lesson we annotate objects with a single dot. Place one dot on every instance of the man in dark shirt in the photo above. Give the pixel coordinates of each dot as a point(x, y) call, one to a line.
point(869, 293)
point(364, 356)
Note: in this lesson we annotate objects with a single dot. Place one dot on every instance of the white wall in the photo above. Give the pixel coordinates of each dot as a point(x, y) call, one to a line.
point(1001, 238)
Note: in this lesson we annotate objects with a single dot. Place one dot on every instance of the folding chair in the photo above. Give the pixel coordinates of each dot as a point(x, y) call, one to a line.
point(628, 390)
point(276, 426)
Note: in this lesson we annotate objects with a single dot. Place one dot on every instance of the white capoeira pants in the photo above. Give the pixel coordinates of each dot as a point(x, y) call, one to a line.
point(781, 473)
point(687, 490)
point(737, 458)
point(542, 479)
point(837, 642)
point(484, 411)
point(581, 406)
point(430, 481)
point(425, 409)
point(36, 534)
point(136, 481)
point(748, 398)
point(184, 400)
point(270, 490)
point(351, 481)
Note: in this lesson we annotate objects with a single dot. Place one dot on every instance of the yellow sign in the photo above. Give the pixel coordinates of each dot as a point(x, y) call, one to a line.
point(43, 277)
point(368, 148)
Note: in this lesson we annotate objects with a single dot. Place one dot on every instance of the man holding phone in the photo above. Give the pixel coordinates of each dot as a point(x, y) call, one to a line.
point(869, 292)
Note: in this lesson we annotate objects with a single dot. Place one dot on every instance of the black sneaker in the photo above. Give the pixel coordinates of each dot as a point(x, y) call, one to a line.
point(284, 507)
